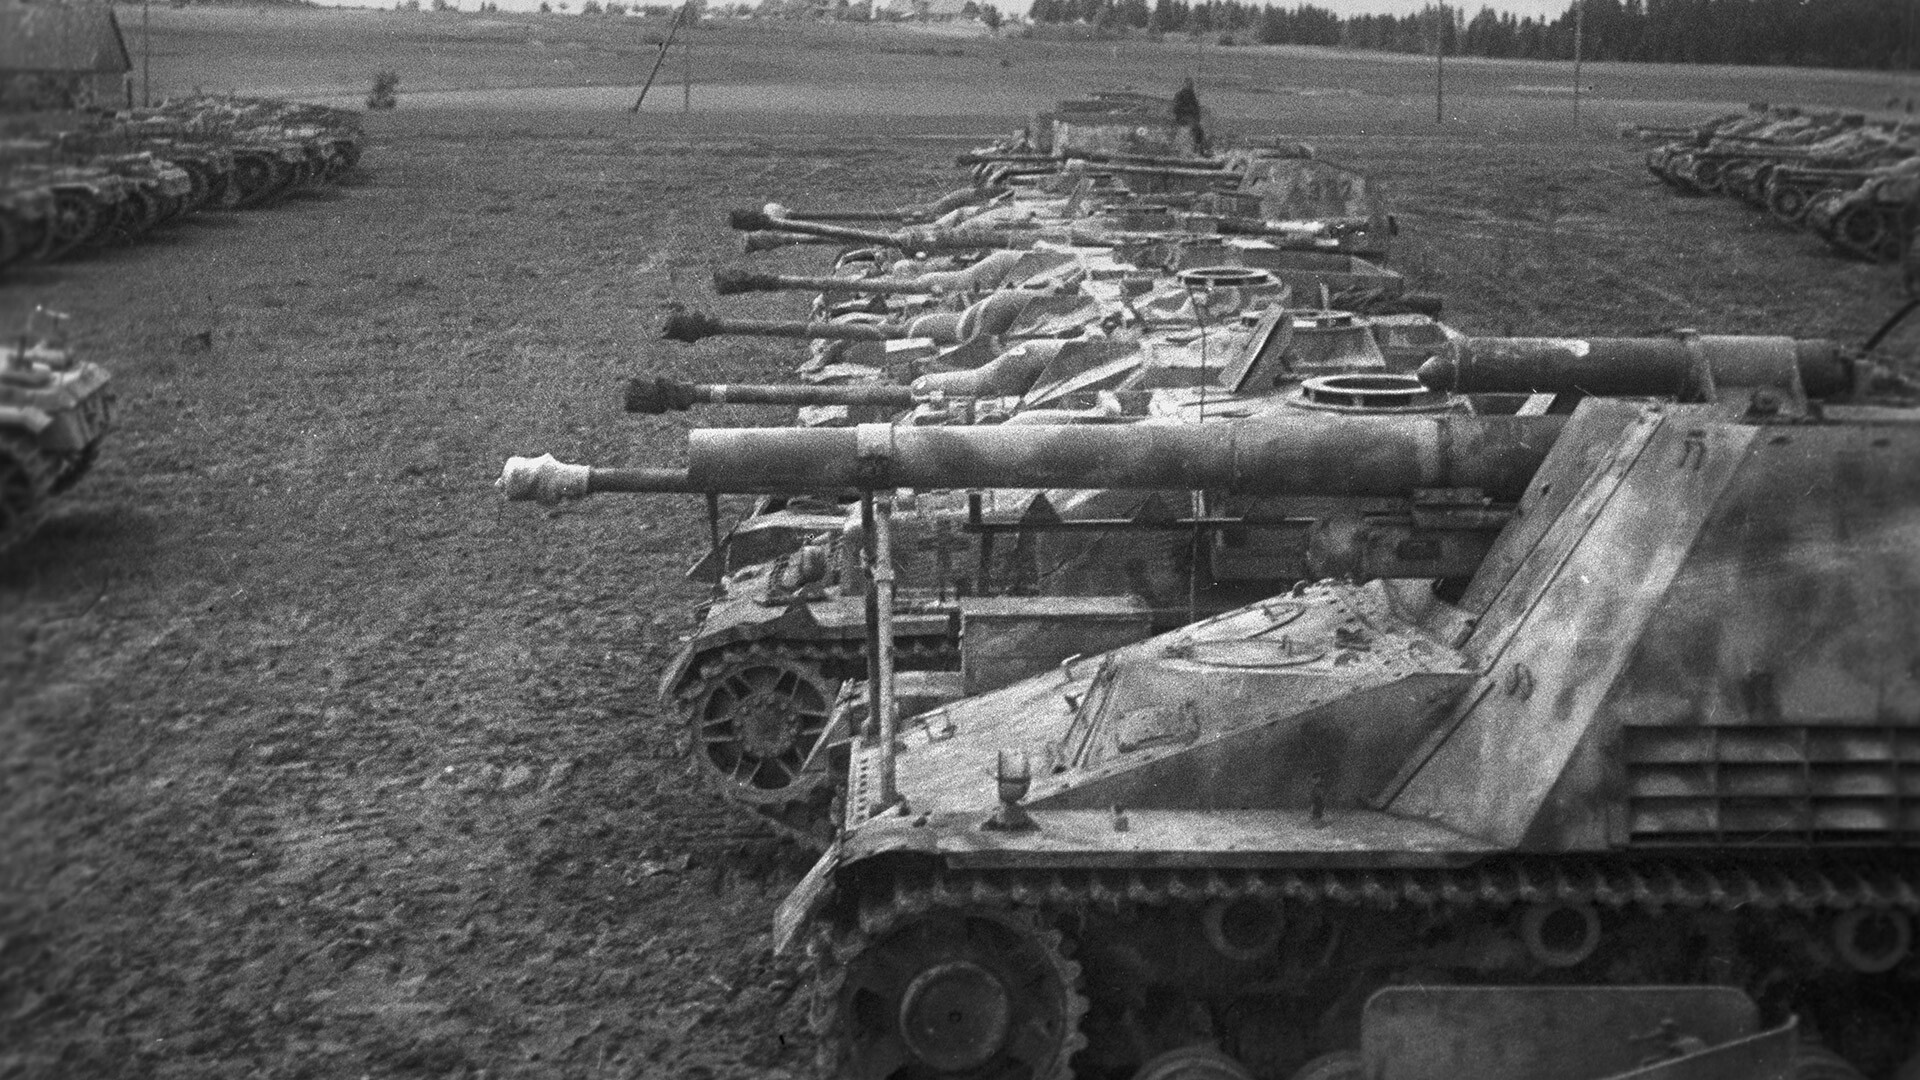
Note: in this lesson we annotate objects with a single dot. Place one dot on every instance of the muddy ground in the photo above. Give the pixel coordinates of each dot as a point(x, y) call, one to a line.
point(316, 759)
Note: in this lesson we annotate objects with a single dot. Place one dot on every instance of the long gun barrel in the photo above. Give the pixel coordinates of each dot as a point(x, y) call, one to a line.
point(1310, 454)
point(1686, 366)
point(655, 396)
point(904, 239)
point(691, 326)
point(730, 282)
point(952, 200)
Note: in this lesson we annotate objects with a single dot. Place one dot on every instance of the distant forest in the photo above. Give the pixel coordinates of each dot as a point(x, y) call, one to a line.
point(1796, 33)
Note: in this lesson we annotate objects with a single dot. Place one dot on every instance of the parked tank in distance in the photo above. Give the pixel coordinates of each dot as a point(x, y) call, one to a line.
point(54, 412)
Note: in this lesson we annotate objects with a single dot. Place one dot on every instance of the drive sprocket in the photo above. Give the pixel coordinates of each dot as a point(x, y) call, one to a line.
point(969, 992)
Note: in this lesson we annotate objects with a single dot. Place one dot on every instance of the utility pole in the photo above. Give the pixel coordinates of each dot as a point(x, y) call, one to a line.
point(1579, 33)
point(662, 58)
point(686, 75)
point(1440, 66)
point(146, 53)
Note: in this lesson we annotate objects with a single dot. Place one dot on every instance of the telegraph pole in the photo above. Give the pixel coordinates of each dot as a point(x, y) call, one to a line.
point(146, 53)
point(1579, 28)
point(673, 29)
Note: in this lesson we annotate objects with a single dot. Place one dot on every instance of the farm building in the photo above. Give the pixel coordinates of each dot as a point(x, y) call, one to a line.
point(58, 55)
point(926, 10)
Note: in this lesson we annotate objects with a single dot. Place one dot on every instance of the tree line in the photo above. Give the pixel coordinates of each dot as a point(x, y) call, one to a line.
point(1796, 33)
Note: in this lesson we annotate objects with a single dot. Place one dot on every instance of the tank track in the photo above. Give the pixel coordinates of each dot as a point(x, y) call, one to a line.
point(1653, 885)
point(807, 818)
point(27, 476)
point(889, 897)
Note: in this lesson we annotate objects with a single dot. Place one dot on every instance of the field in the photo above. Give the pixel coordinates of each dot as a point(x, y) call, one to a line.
point(316, 759)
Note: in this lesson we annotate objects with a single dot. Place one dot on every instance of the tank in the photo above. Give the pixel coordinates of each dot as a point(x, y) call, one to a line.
point(1653, 760)
point(1852, 150)
point(1702, 167)
point(87, 203)
point(1070, 568)
point(54, 412)
point(1868, 220)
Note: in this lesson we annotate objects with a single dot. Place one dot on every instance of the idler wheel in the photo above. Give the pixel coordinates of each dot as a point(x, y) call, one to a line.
point(755, 718)
point(976, 993)
point(1244, 928)
point(1560, 935)
point(1193, 1063)
point(1872, 941)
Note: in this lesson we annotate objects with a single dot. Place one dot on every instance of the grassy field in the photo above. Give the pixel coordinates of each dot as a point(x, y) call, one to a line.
point(318, 760)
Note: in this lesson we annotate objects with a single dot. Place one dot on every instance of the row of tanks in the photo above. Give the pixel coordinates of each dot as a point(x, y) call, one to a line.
point(1188, 679)
point(116, 176)
point(1852, 182)
point(1060, 296)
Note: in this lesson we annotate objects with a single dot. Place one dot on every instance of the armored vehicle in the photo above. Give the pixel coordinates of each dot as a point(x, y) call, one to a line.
point(54, 411)
point(1060, 571)
point(1700, 168)
point(1654, 750)
point(1868, 220)
point(1658, 745)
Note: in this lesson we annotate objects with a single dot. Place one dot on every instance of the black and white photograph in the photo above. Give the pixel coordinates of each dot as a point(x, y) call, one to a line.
point(959, 540)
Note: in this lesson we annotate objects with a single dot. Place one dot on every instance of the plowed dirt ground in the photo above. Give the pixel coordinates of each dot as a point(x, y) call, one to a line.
point(316, 759)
